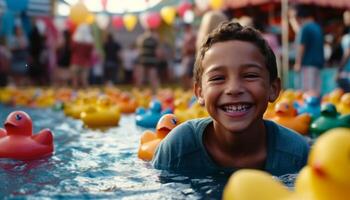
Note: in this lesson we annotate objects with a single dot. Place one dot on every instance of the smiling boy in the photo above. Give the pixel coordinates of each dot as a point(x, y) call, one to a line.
point(235, 78)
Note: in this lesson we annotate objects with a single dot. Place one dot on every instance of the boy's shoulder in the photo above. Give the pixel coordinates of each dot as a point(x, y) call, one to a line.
point(181, 145)
point(286, 140)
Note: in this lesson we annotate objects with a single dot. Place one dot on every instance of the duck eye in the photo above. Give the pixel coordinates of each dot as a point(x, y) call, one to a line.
point(18, 117)
point(174, 121)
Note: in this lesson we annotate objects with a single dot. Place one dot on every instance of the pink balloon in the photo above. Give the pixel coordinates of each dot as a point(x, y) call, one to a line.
point(153, 20)
point(183, 7)
point(118, 22)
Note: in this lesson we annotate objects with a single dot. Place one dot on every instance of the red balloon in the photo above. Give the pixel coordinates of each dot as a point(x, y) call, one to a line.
point(118, 22)
point(153, 20)
point(183, 7)
point(70, 25)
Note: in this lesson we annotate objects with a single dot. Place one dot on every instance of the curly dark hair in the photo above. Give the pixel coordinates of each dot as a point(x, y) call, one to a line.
point(228, 31)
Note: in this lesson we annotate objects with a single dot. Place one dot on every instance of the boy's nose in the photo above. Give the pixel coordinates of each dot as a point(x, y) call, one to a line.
point(234, 87)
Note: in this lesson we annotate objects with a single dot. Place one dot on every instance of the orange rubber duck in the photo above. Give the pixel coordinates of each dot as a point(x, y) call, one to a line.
point(18, 142)
point(151, 140)
point(286, 115)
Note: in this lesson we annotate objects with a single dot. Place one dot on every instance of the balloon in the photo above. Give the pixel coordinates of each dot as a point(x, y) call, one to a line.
point(117, 22)
point(189, 17)
point(216, 4)
point(17, 5)
point(102, 20)
point(79, 13)
point(202, 5)
point(183, 7)
point(90, 19)
point(168, 14)
point(130, 21)
point(153, 20)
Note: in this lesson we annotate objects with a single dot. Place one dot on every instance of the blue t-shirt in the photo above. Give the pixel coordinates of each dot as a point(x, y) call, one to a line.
point(311, 36)
point(183, 150)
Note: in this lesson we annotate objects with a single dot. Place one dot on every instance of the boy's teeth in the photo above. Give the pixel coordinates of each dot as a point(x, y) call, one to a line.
point(236, 108)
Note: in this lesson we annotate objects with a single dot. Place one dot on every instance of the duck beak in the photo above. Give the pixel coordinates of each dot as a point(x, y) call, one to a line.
point(319, 170)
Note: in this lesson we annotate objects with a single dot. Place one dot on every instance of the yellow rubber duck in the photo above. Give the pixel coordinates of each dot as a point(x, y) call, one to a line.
point(286, 115)
point(250, 184)
point(333, 97)
point(103, 114)
point(327, 174)
point(325, 177)
point(344, 105)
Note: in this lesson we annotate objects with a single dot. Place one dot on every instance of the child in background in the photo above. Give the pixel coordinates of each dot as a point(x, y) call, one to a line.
point(235, 77)
point(82, 48)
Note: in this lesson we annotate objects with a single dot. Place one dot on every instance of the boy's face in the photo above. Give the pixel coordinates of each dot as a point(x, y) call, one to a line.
point(235, 86)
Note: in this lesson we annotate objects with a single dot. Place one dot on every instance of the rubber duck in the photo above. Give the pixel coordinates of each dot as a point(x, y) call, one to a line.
point(126, 103)
point(286, 115)
point(149, 118)
point(192, 112)
point(103, 114)
point(18, 142)
point(250, 184)
point(329, 119)
point(325, 177)
point(333, 97)
point(344, 105)
point(312, 106)
point(327, 174)
point(150, 140)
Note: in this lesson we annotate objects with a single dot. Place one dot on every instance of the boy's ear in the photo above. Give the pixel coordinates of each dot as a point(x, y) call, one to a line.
point(198, 92)
point(275, 89)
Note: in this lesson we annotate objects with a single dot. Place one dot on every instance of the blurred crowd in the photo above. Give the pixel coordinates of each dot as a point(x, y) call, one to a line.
point(75, 58)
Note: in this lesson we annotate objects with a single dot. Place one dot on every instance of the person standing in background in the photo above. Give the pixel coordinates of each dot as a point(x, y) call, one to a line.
point(82, 47)
point(210, 21)
point(309, 58)
point(130, 55)
point(64, 53)
point(18, 45)
point(5, 57)
point(112, 59)
point(148, 46)
point(188, 55)
point(343, 73)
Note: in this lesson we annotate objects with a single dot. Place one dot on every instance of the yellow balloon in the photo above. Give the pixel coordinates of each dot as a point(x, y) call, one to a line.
point(168, 14)
point(129, 21)
point(216, 4)
point(79, 13)
point(90, 19)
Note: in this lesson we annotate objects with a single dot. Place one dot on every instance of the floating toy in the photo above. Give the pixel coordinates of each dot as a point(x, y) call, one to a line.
point(192, 112)
point(250, 184)
point(327, 174)
point(149, 118)
point(126, 103)
point(286, 115)
point(325, 177)
point(18, 142)
point(333, 97)
point(329, 119)
point(311, 106)
point(344, 105)
point(151, 140)
point(103, 114)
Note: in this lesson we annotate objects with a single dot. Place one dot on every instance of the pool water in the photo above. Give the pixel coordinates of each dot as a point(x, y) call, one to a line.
point(95, 164)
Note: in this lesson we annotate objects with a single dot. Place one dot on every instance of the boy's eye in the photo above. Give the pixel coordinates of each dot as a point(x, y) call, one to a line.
point(251, 75)
point(216, 78)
